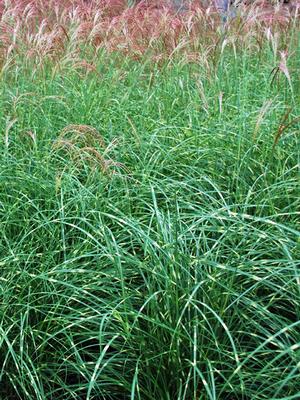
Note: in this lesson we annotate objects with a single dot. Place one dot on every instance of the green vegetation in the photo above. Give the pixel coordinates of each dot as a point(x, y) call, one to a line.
point(149, 243)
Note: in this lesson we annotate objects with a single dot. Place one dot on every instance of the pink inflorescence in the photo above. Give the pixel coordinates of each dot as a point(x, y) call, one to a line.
point(56, 30)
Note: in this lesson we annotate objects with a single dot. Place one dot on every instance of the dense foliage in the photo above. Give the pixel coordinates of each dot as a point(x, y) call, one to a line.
point(149, 203)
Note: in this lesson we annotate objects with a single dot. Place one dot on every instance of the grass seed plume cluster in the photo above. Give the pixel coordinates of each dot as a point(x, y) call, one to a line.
point(73, 34)
point(149, 201)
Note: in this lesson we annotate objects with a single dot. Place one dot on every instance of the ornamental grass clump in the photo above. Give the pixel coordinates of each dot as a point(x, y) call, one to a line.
point(149, 202)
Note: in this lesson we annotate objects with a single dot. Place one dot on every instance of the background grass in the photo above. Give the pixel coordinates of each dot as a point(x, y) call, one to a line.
point(149, 243)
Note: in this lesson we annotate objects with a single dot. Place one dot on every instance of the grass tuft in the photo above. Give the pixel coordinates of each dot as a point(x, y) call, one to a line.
point(149, 203)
